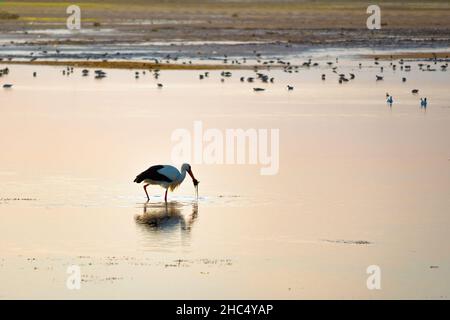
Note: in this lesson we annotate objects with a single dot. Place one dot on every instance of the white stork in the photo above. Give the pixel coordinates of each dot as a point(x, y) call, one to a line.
point(166, 176)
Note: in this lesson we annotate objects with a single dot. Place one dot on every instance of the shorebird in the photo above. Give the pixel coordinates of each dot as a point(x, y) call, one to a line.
point(290, 87)
point(379, 78)
point(100, 74)
point(264, 78)
point(415, 91)
point(259, 89)
point(166, 176)
point(390, 100)
point(7, 86)
point(423, 102)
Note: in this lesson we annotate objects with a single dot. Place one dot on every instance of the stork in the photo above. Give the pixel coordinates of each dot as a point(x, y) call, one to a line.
point(166, 176)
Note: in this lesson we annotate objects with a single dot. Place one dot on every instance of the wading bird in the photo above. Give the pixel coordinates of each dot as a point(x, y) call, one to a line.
point(166, 176)
point(390, 100)
point(423, 102)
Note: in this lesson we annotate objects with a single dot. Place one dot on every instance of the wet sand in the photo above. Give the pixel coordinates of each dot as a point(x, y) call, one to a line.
point(360, 183)
point(139, 65)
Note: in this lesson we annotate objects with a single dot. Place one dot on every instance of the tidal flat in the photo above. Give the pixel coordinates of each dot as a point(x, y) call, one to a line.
point(360, 183)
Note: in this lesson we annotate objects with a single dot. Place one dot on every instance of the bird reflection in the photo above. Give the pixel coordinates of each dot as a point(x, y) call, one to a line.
point(168, 216)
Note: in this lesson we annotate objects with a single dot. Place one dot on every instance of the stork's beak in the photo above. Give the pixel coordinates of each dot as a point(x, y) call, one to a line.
point(193, 178)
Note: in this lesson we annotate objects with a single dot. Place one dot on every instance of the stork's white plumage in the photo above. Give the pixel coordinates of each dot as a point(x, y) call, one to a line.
point(166, 176)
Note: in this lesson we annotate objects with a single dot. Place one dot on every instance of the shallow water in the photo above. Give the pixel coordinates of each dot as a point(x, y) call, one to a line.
point(359, 183)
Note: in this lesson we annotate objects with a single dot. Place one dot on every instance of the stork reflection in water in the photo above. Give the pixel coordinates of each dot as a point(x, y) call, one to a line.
point(168, 216)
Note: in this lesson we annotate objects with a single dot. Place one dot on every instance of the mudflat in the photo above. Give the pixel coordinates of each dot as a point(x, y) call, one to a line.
point(303, 22)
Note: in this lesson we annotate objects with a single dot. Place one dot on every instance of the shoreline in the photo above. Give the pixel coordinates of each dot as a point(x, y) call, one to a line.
point(122, 64)
point(408, 55)
point(135, 65)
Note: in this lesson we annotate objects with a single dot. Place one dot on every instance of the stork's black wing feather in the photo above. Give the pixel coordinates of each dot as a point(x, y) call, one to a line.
point(152, 174)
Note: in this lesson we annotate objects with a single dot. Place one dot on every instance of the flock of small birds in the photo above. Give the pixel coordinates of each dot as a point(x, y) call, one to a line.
point(286, 66)
point(407, 68)
point(100, 74)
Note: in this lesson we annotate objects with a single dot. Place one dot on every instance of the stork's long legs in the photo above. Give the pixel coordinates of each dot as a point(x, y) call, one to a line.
point(145, 189)
point(165, 196)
